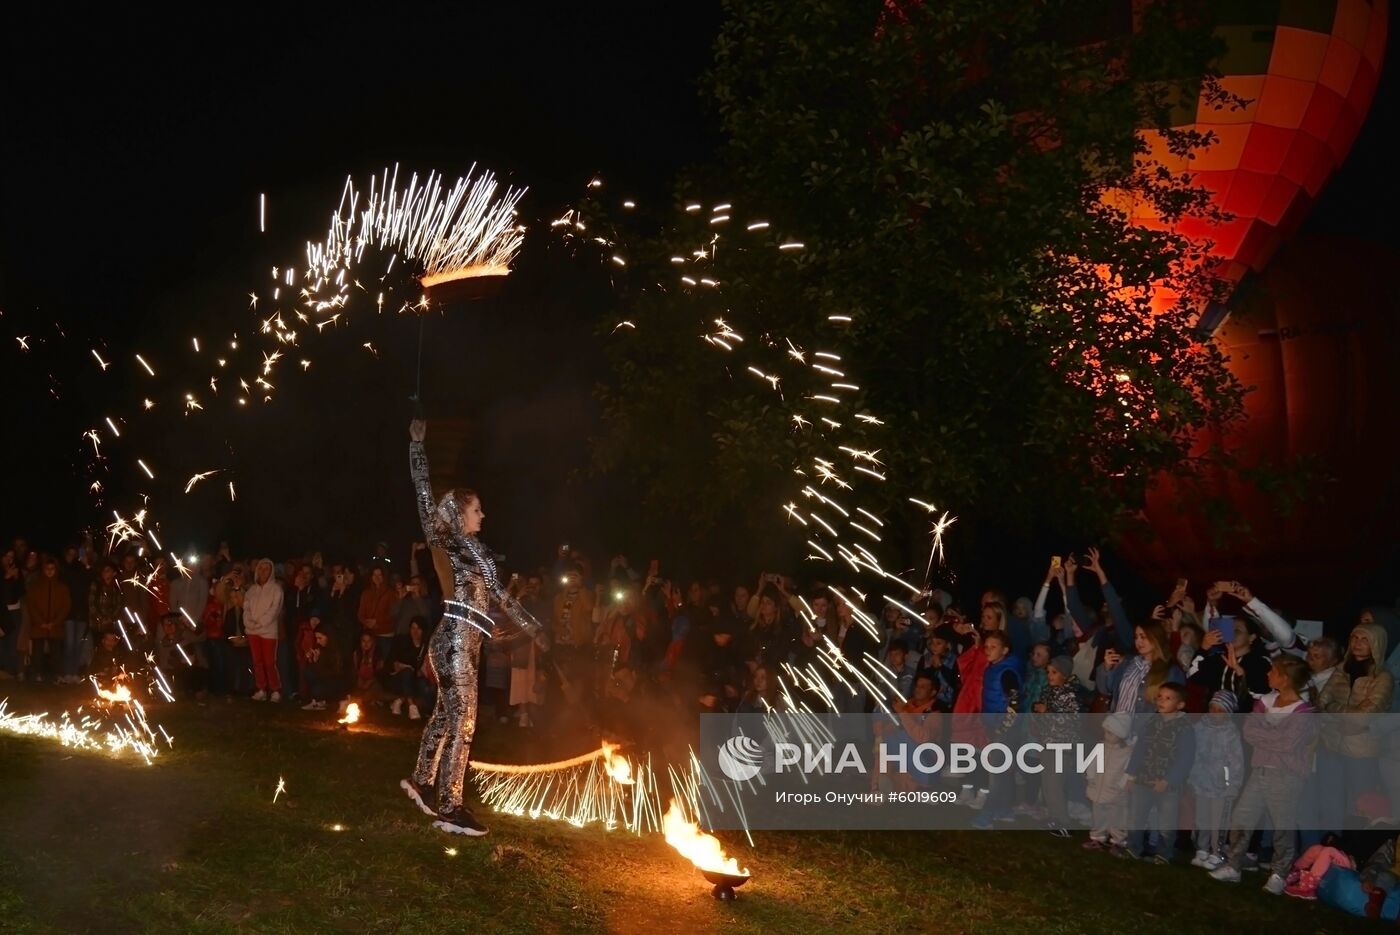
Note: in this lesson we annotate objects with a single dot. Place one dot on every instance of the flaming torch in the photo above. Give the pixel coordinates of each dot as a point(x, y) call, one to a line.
point(705, 852)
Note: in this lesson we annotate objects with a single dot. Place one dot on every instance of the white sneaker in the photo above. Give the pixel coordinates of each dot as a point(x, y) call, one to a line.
point(1225, 874)
point(312, 705)
point(397, 707)
point(1201, 859)
point(259, 695)
point(1274, 885)
point(276, 697)
point(1213, 861)
point(413, 714)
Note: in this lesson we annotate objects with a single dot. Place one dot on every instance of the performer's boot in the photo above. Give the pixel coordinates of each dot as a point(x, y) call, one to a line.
point(460, 821)
point(423, 796)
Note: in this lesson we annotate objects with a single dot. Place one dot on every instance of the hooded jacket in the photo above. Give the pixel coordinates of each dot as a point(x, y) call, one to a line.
point(262, 604)
point(1348, 731)
point(48, 603)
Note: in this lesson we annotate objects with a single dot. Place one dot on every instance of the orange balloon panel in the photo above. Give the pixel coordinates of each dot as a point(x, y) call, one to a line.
point(1320, 345)
point(1307, 71)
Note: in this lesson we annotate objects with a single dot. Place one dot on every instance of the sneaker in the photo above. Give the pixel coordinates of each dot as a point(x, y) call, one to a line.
point(413, 712)
point(461, 821)
point(1201, 859)
point(1006, 818)
point(1057, 831)
point(1121, 852)
point(1093, 845)
point(1250, 863)
point(314, 705)
point(1214, 860)
point(276, 697)
point(1274, 885)
point(397, 707)
point(1225, 874)
point(420, 794)
point(982, 822)
point(259, 695)
point(1161, 860)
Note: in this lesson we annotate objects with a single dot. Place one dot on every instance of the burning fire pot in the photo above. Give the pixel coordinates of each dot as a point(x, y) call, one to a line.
point(705, 852)
point(725, 884)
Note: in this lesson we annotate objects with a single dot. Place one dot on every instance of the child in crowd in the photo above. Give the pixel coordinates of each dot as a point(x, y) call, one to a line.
point(1312, 866)
point(323, 667)
point(110, 659)
point(1107, 787)
point(1282, 734)
point(1157, 772)
point(941, 659)
point(179, 654)
point(1217, 776)
point(1037, 675)
point(1059, 705)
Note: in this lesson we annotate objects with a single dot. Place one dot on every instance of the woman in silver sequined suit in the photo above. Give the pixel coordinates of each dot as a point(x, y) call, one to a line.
point(452, 525)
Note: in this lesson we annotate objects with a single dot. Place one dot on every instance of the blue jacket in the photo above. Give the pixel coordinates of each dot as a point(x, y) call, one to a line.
point(995, 699)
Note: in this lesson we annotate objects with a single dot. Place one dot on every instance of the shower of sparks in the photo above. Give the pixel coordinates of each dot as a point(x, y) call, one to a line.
point(601, 787)
point(826, 412)
point(936, 531)
point(115, 721)
point(453, 233)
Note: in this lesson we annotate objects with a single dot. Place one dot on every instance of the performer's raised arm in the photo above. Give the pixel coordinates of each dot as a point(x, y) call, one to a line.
point(422, 487)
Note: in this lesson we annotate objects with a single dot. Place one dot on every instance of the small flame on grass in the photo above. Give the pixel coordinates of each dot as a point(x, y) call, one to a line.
point(701, 849)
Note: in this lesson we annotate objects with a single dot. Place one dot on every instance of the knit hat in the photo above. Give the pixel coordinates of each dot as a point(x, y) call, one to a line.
point(1062, 664)
point(1227, 700)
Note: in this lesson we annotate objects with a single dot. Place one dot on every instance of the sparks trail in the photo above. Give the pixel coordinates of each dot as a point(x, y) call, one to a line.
point(818, 387)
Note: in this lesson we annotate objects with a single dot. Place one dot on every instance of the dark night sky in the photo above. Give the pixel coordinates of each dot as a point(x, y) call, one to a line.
point(134, 149)
point(134, 146)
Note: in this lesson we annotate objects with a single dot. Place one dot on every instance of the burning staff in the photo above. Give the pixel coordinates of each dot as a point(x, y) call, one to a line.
point(452, 525)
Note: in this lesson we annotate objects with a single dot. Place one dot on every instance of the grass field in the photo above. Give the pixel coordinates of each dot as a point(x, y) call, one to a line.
point(194, 843)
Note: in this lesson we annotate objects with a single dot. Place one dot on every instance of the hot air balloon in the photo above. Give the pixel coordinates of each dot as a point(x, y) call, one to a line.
point(1306, 72)
point(1318, 340)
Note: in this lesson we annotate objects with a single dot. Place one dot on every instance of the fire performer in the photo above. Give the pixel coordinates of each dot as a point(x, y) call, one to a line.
point(451, 525)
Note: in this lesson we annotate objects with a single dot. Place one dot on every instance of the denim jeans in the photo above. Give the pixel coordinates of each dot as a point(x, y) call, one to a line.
point(75, 636)
point(1142, 801)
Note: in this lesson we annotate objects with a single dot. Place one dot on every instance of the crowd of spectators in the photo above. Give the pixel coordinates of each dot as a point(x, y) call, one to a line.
point(633, 654)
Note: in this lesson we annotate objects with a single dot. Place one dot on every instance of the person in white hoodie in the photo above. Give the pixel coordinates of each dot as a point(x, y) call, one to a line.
point(262, 621)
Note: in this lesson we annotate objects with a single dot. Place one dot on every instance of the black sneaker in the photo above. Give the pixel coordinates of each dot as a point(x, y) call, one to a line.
point(461, 821)
point(1058, 831)
point(421, 795)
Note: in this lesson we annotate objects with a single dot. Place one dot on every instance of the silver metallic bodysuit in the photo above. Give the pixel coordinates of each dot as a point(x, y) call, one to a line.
point(456, 643)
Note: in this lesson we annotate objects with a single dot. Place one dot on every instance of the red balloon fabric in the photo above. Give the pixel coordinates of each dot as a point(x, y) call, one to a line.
point(1307, 72)
point(1320, 345)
